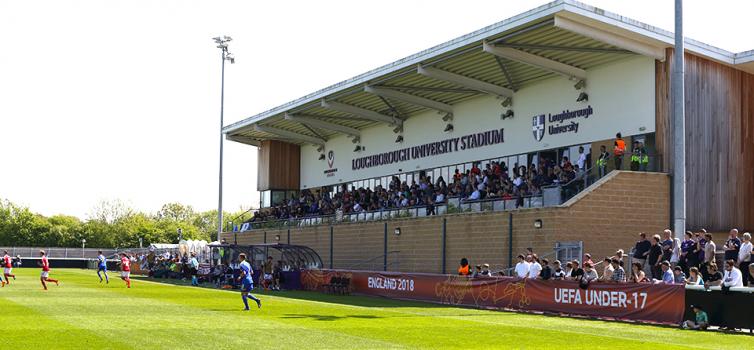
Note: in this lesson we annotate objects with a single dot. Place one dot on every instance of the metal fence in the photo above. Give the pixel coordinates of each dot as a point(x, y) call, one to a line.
point(58, 253)
point(452, 206)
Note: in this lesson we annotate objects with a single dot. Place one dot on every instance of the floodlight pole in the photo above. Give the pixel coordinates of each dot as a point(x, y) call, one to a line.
point(222, 44)
point(679, 128)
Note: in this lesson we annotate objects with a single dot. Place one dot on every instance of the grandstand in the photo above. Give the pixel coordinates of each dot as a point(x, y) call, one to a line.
point(490, 143)
point(547, 133)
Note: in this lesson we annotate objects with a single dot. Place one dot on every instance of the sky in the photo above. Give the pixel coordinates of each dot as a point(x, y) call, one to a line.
point(120, 100)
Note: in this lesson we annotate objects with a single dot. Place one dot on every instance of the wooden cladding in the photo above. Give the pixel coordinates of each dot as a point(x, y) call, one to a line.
point(719, 141)
point(279, 166)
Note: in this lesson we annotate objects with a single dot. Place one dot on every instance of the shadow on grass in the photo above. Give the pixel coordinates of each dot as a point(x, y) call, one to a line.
point(331, 317)
point(353, 300)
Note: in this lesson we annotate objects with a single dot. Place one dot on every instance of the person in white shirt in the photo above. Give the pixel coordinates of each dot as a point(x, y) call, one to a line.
point(581, 162)
point(522, 268)
point(439, 198)
point(475, 195)
point(534, 266)
point(744, 258)
point(732, 277)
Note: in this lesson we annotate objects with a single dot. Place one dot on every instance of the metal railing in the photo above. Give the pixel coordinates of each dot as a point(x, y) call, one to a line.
point(58, 253)
point(563, 251)
point(451, 206)
point(552, 195)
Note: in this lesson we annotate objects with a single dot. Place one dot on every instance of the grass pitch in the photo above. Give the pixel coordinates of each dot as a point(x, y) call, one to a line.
point(84, 314)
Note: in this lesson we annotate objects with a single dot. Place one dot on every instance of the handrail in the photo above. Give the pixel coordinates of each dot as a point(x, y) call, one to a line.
point(384, 213)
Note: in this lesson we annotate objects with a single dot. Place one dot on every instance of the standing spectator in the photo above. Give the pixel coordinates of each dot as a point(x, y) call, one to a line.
point(635, 157)
point(637, 274)
point(194, 269)
point(667, 245)
point(732, 245)
point(590, 274)
point(535, 268)
point(607, 272)
point(709, 254)
point(732, 276)
point(700, 319)
point(641, 250)
point(588, 259)
point(464, 270)
point(618, 274)
point(714, 277)
point(581, 162)
point(686, 251)
point(653, 258)
point(744, 258)
point(618, 151)
point(701, 242)
point(675, 257)
point(546, 273)
point(576, 272)
point(568, 270)
point(602, 161)
point(522, 267)
point(557, 271)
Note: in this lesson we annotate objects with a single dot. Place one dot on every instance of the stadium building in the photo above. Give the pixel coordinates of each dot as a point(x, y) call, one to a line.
point(528, 91)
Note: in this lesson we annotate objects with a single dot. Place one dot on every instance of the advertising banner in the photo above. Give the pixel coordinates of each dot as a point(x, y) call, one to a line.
point(635, 302)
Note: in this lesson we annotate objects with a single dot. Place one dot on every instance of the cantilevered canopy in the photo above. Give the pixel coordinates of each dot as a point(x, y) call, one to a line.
point(561, 39)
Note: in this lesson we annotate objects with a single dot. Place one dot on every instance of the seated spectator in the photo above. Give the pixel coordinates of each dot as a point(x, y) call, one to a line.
point(678, 276)
point(667, 276)
point(477, 271)
point(732, 276)
point(464, 270)
point(700, 322)
point(557, 271)
point(637, 274)
point(714, 277)
point(486, 270)
point(695, 279)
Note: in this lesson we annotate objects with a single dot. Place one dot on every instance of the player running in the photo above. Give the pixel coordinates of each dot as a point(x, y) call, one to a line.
point(102, 267)
point(125, 269)
point(247, 283)
point(7, 269)
point(45, 276)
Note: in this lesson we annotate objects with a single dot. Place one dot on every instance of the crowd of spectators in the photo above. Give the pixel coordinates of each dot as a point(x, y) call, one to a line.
point(493, 181)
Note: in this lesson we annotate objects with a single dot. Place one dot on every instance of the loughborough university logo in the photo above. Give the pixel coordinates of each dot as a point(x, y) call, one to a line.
point(538, 127)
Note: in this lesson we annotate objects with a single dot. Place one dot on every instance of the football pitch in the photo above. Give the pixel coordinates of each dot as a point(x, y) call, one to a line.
point(82, 313)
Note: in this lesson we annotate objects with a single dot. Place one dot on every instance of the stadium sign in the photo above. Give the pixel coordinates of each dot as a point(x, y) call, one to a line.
point(658, 303)
point(454, 144)
point(559, 123)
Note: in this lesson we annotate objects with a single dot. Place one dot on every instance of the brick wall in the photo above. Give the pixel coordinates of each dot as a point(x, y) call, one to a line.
point(606, 217)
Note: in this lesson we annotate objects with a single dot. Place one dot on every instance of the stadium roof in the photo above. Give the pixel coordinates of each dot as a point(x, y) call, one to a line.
point(561, 38)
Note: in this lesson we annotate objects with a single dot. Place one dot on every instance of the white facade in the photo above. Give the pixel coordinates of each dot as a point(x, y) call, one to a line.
point(621, 99)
